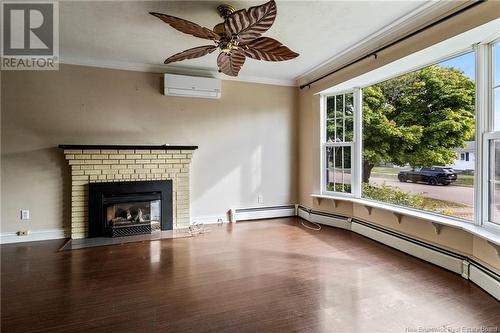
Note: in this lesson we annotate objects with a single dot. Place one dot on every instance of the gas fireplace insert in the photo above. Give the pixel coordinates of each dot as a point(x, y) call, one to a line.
point(119, 209)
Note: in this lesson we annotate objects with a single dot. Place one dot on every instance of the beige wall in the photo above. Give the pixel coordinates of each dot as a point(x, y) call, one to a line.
point(309, 145)
point(247, 139)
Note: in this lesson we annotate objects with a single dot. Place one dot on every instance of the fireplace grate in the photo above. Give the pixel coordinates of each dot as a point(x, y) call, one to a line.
point(134, 229)
point(130, 230)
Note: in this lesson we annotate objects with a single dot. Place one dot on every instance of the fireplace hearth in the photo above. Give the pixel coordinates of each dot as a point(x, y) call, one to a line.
point(118, 209)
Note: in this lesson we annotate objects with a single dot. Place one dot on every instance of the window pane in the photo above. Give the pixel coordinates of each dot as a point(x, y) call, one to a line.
point(495, 160)
point(494, 181)
point(330, 131)
point(496, 86)
point(339, 130)
point(338, 173)
point(496, 108)
point(349, 129)
point(329, 157)
point(494, 145)
point(418, 139)
point(340, 104)
point(329, 176)
point(496, 64)
point(494, 202)
point(349, 105)
point(330, 107)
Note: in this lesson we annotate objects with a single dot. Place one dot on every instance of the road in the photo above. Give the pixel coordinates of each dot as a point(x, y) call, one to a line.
point(459, 194)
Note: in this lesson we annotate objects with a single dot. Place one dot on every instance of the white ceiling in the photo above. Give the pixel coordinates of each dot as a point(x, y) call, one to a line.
point(434, 54)
point(123, 34)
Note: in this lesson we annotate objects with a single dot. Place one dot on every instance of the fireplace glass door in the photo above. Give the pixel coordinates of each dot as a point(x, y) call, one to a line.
point(134, 214)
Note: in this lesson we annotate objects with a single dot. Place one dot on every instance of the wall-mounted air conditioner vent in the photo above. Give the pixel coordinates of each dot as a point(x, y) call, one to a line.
point(192, 86)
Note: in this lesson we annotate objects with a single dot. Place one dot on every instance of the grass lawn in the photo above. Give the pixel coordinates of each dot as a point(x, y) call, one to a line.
point(394, 195)
point(386, 170)
point(392, 173)
point(464, 180)
point(433, 204)
point(448, 208)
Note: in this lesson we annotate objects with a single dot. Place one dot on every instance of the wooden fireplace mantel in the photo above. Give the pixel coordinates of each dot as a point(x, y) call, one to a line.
point(150, 147)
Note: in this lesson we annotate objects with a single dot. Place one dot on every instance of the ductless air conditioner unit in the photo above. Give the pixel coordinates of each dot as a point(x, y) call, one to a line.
point(192, 86)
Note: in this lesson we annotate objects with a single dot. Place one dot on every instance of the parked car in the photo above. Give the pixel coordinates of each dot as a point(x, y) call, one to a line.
point(432, 176)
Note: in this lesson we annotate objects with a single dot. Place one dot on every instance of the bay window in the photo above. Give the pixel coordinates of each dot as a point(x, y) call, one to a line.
point(414, 127)
point(419, 136)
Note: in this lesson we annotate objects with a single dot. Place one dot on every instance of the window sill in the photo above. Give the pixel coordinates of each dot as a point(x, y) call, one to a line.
point(433, 218)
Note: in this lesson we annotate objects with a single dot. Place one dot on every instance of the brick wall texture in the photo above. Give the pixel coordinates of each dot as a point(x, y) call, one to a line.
point(104, 165)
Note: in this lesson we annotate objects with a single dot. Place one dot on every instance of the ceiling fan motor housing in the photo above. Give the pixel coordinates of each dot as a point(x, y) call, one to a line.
point(225, 10)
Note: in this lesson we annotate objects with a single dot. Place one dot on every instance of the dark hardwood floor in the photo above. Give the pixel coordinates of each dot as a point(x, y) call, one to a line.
point(262, 276)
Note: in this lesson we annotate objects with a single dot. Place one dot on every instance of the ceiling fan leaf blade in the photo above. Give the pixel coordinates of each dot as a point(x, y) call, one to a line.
point(268, 49)
point(250, 23)
point(231, 64)
point(186, 26)
point(195, 52)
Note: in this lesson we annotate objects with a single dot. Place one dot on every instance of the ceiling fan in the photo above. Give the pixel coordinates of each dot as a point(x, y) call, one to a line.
point(238, 37)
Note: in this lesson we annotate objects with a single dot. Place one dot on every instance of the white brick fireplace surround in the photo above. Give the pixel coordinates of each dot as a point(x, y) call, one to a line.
point(113, 163)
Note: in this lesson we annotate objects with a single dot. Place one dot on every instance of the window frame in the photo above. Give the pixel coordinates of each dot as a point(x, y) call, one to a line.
point(489, 133)
point(484, 128)
point(486, 222)
point(352, 144)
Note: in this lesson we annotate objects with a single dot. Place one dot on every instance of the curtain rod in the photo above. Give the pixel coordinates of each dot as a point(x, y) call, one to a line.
point(397, 41)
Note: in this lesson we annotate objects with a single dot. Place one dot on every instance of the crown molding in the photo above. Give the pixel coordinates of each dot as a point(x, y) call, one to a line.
point(428, 12)
point(155, 68)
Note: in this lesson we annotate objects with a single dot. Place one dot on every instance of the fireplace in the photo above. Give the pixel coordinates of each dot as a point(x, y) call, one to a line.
point(92, 164)
point(119, 209)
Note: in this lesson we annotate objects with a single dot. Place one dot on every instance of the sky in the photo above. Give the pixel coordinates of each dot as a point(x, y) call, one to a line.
point(464, 62)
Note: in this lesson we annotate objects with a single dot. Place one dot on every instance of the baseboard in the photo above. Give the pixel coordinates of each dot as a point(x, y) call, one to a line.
point(265, 212)
point(484, 278)
point(33, 236)
point(469, 269)
point(400, 242)
point(439, 258)
point(332, 220)
point(210, 219)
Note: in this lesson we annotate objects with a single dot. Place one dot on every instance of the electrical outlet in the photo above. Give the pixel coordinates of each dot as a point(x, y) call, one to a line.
point(24, 232)
point(260, 198)
point(25, 214)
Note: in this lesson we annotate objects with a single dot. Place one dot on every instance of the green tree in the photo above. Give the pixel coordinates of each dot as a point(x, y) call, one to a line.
point(417, 118)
